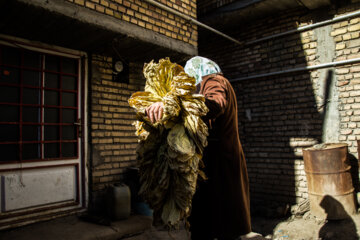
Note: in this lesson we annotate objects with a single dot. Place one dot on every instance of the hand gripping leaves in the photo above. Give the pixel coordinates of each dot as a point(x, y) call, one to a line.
point(170, 151)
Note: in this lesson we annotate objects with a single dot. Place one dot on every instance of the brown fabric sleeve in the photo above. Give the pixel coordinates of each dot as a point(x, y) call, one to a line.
point(215, 94)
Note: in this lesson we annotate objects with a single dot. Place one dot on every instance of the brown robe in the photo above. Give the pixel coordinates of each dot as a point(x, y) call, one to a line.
point(221, 205)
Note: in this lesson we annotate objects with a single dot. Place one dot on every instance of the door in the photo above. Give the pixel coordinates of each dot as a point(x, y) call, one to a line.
point(41, 150)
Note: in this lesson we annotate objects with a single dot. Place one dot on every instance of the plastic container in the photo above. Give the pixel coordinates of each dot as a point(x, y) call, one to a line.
point(119, 201)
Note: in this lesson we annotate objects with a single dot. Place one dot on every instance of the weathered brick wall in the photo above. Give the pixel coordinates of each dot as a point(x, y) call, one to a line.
point(113, 139)
point(282, 114)
point(150, 17)
point(346, 36)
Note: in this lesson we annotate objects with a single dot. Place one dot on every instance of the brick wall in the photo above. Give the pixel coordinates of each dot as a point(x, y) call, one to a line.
point(150, 17)
point(113, 139)
point(282, 114)
point(346, 37)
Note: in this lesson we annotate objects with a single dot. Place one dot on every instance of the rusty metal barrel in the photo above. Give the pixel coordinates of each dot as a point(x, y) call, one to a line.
point(330, 187)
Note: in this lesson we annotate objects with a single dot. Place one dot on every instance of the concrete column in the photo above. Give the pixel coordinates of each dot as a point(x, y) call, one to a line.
point(327, 89)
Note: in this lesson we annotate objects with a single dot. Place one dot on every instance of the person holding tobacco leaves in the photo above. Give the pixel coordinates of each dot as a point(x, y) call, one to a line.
point(221, 204)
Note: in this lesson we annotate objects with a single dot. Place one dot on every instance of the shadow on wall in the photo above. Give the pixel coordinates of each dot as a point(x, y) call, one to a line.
point(354, 163)
point(331, 229)
point(282, 114)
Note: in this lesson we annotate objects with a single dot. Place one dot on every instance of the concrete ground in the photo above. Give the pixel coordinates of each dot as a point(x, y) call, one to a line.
point(72, 227)
point(136, 227)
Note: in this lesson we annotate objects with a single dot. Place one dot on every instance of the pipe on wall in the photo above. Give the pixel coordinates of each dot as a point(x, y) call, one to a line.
point(307, 27)
point(192, 20)
point(299, 29)
point(307, 68)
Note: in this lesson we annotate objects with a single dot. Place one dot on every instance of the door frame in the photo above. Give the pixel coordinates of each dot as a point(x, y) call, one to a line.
point(45, 213)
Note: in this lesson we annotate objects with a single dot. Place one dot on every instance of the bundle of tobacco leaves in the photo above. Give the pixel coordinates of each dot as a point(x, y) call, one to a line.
point(169, 151)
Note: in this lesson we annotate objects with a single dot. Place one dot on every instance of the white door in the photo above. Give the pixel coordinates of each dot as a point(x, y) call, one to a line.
point(42, 168)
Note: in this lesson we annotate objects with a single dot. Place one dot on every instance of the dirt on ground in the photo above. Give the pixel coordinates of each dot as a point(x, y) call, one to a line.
point(306, 227)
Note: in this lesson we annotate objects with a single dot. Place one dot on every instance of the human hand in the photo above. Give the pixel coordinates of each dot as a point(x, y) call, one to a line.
point(155, 111)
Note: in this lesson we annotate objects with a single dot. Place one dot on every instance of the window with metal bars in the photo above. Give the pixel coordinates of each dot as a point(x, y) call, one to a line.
point(38, 105)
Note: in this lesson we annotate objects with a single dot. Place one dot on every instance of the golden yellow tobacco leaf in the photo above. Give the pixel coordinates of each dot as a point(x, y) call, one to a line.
point(170, 151)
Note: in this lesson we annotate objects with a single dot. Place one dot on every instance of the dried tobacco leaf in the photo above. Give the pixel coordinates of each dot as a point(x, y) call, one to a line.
point(170, 151)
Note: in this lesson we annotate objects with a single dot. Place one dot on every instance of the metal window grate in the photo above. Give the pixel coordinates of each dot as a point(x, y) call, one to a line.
point(39, 103)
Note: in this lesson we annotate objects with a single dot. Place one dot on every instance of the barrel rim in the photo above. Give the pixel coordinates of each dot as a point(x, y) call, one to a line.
point(329, 146)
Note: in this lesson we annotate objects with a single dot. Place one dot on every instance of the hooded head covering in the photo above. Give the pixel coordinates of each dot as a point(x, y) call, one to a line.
point(199, 67)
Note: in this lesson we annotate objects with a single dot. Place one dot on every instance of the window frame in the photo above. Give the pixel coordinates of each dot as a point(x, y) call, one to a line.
point(42, 105)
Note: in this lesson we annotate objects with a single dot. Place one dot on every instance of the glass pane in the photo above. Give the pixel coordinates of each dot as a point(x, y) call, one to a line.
point(52, 63)
point(32, 78)
point(9, 133)
point(32, 59)
point(51, 150)
point(68, 115)
point(31, 96)
point(69, 65)
point(9, 152)
point(69, 99)
point(10, 75)
point(51, 133)
point(9, 113)
point(68, 149)
point(69, 82)
point(51, 98)
point(68, 132)
point(51, 80)
point(31, 133)
point(31, 114)
point(10, 56)
point(31, 151)
point(9, 94)
point(51, 115)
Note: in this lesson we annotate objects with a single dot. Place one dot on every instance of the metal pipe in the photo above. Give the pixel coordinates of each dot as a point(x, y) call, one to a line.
point(190, 19)
point(303, 28)
point(319, 66)
point(299, 29)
